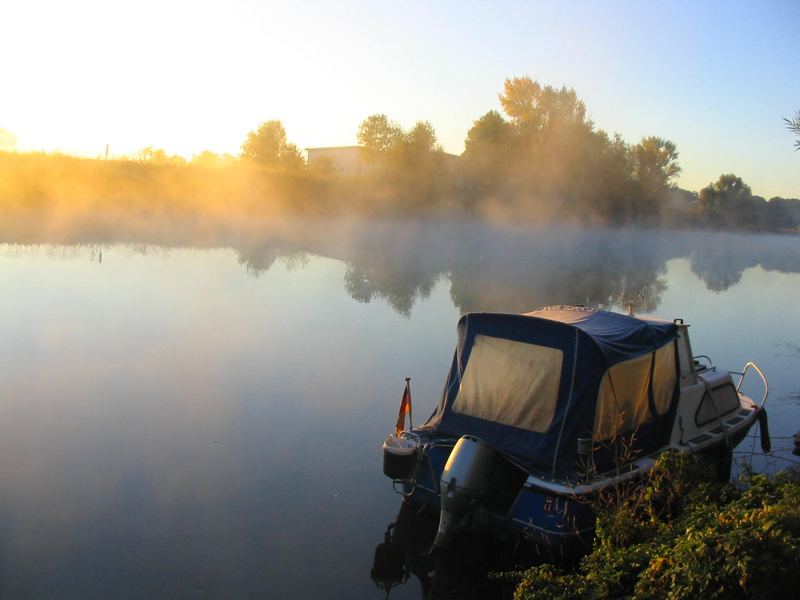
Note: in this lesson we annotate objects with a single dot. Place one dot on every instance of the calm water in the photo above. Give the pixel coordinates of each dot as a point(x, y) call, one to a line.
point(203, 419)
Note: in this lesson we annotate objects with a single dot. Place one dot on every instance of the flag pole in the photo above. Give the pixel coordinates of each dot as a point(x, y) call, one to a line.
point(408, 387)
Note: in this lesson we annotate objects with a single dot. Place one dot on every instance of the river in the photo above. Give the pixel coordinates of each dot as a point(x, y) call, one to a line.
point(201, 416)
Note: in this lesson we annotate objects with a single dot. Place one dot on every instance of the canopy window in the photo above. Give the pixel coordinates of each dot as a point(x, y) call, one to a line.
point(510, 382)
point(622, 402)
point(665, 378)
point(623, 399)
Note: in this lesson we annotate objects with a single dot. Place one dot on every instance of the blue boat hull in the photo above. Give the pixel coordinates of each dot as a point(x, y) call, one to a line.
point(559, 526)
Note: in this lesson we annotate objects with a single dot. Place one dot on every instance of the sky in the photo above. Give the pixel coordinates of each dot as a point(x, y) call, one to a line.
point(716, 78)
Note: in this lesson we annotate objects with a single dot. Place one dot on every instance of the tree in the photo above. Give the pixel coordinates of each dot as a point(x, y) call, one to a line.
point(267, 146)
point(488, 150)
point(487, 136)
point(422, 138)
point(383, 139)
point(793, 125)
point(533, 108)
point(520, 100)
point(378, 135)
point(653, 165)
point(615, 197)
point(730, 201)
point(782, 213)
point(655, 161)
point(413, 150)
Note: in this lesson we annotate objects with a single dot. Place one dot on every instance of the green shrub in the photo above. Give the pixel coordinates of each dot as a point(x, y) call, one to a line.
point(681, 535)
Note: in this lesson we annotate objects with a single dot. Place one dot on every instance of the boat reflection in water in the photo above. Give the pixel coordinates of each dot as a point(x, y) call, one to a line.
point(464, 571)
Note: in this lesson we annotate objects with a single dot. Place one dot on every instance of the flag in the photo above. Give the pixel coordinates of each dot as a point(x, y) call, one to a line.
point(405, 409)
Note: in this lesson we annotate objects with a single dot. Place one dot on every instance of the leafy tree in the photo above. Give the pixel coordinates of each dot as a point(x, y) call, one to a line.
point(610, 167)
point(268, 147)
point(411, 162)
point(533, 108)
point(488, 150)
point(654, 164)
point(378, 135)
point(562, 107)
point(655, 160)
point(413, 150)
point(422, 137)
point(550, 155)
point(520, 100)
point(488, 134)
point(793, 125)
point(729, 201)
point(782, 213)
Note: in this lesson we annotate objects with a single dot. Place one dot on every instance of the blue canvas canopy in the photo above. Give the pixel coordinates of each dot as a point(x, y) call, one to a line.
point(530, 385)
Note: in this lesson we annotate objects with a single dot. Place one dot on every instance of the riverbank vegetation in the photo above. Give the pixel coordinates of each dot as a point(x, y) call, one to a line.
point(680, 536)
point(541, 160)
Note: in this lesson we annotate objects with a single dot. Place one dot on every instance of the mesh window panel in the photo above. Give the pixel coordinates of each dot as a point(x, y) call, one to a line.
point(665, 377)
point(622, 402)
point(510, 382)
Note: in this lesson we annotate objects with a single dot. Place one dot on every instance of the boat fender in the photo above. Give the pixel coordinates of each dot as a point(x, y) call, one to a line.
point(763, 428)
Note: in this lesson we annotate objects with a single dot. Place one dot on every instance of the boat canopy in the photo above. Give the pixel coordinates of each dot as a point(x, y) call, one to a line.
point(532, 385)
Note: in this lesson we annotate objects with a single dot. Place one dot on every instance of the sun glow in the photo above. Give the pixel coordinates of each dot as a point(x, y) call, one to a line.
point(188, 76)
point(185, 76)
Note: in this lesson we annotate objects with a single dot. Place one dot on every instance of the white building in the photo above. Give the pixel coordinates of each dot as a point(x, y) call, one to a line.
point(351, 161)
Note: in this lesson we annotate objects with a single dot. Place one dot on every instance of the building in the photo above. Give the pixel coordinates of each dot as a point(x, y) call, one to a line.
point(351, 161)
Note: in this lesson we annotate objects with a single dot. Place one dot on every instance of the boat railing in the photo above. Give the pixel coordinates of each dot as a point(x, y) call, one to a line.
point(700, 366)
point(422, 447)
point(757, 369)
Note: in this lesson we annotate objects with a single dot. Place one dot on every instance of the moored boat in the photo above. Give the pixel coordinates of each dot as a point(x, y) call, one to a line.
point(542, 412)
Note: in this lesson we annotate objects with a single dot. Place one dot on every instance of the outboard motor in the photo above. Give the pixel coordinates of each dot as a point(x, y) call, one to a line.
point(465, 479)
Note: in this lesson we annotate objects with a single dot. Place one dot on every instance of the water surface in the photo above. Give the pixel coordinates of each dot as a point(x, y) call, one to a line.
point(203, 418)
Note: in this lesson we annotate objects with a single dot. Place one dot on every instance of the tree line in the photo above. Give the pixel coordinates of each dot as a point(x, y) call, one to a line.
point(541, 158)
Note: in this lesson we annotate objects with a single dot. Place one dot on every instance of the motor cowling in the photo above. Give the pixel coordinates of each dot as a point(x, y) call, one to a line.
point(464, 482)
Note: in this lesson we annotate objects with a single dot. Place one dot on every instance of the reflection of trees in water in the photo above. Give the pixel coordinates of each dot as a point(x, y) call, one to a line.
point(720, 259)
point(258, 260)
point(490, 267)
point(514, 270)
point(561, 267)
point(400, 289)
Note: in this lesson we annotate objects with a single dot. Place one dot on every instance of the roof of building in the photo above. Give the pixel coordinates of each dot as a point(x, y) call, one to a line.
point(447, 154)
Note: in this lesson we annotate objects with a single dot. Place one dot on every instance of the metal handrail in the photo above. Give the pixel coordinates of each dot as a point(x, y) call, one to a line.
point(708, 358)
point(763, 378)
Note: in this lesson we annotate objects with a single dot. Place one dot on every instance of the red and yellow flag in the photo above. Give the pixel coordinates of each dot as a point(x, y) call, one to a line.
point(405, 409)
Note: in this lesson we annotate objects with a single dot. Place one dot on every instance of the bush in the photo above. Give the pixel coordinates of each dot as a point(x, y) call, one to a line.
point(681, 535)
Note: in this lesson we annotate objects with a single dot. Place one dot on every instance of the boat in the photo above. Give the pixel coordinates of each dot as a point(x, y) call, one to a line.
point(542, 412)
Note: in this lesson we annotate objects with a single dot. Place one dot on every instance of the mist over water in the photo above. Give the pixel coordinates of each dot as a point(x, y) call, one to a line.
point(197, 412)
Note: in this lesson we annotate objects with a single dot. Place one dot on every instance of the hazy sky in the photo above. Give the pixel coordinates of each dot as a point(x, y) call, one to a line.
point(714, 77)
